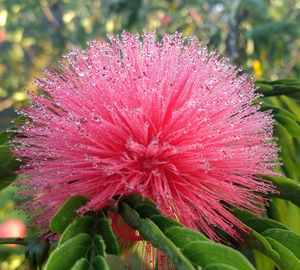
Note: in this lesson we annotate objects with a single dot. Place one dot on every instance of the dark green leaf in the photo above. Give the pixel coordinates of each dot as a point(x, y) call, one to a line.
point(291, 126)
point(79, 225)
point(108, 236)
point(183, 236)
point(130, 216)
point(99, 263)
point(204, 253)
point(82, 264)
point(284, 81)
point(134, 199)
point(66, 255)
point(260, 225)
point(264, 88)
point(164, 223)
point(146, 210)
point(288, 239)
point(66, 213)
point(100, 245)
point(281, 133)
point(278, 111)
point(288, 90)
point(36, 252)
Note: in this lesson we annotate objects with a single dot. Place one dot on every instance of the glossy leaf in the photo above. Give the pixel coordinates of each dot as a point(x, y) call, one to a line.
point(288, 239)
point(66, 255)
point(108, 236)
point(66, 213)
point(183, 236)
point(204, 253)
point(99, 263)
point(79, 225)
point(82, 264)
point(134, 199)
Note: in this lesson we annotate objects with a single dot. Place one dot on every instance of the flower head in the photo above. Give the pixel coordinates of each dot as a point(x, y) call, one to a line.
point(168, 120)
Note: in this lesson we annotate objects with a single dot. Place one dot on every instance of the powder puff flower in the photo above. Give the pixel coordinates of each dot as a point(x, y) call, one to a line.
point(166, 119)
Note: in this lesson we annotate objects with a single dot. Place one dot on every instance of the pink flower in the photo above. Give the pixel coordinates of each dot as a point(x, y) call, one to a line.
point(168, 120)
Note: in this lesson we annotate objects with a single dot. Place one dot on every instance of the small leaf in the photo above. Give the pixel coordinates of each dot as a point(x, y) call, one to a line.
point(108, 236)
point(260, 225)
point(99, 263)
point(146, 210)
point(100, 246)
point(288, 239)
point(281, 133)
point(82, 264)
point(66, 214)
point(66, 255)
point(204, 253)
point(164, 223)
point(288, 260)
point(291, 126)
point(79, 225)
point(219, 266)
point(183, 236)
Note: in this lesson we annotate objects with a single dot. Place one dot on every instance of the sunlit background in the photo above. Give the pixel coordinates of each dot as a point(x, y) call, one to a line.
point(260, 35)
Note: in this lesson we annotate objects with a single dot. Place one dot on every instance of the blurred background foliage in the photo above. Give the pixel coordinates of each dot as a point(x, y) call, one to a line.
point(261, 35)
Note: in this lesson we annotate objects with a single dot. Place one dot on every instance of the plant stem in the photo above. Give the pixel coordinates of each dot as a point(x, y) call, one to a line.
point(17, 241)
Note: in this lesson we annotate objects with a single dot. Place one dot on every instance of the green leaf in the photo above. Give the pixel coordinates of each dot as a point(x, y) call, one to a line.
point(183, 236)
point(8, 164)
point(37, 252)
point(262, 261)
point(164, 223)
point(288, 239)
point(79, 225)
point(150, 231)
point(278, 111)
point(291, 126)
point(284, 81)
point(108, 236)
point(99, 263)
point(66, 255)
point(288, 260)
point(82, 264)
point(130, 216)
point(260, 225)
point(204, 253)
point(288, 188)
point(66, 213)
point(100, 246)
point(219, 266)
point(258, 242)
point(134, 199)
point(281, 133)
point(264, 88)
point(146, 210)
